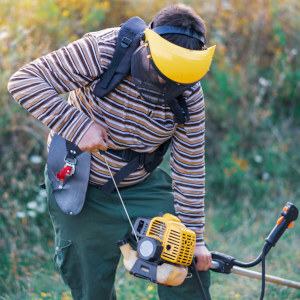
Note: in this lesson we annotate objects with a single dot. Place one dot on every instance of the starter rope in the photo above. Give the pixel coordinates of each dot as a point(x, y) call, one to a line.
point(120, 198)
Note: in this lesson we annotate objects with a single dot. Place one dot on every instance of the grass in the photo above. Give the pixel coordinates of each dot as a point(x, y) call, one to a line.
point(245, 243)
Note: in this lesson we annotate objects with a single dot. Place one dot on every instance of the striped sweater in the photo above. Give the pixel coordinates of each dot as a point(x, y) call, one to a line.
point(129, 120)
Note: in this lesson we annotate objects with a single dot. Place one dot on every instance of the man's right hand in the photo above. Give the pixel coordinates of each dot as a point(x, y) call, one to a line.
point(94, 139)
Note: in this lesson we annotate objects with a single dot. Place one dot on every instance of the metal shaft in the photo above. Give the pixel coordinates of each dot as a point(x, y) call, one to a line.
point(257, 275)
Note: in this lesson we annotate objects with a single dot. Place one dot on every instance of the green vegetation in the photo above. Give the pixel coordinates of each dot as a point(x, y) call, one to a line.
point(252, 145)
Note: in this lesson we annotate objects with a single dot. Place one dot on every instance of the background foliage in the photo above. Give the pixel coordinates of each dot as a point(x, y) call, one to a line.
point(252, 141)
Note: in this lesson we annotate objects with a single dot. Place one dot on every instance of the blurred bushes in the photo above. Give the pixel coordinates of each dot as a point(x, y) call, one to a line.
point(252, 100)
point(29, 29)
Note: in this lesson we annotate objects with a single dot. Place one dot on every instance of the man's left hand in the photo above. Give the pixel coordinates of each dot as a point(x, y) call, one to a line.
point(203, 256)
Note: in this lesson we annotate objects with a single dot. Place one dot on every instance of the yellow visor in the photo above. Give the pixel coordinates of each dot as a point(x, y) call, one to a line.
point(177, 63)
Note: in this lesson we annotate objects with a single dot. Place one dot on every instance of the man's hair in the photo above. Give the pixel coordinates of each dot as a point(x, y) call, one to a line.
point(183, 16)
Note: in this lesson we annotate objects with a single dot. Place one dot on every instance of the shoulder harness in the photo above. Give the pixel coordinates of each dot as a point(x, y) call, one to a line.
point(127, 42)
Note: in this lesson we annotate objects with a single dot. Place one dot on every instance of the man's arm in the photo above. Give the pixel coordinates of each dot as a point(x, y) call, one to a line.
point(37, 86)
point(188, 173)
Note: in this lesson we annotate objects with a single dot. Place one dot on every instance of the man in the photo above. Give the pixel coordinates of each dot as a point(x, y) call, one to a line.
point(136, 115)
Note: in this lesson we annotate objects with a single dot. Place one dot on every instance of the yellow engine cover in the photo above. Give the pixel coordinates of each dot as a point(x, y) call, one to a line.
point(178, 241)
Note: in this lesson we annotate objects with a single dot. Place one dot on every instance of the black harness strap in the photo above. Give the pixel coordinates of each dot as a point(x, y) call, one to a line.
point(109, 186)
point(127, 42)
point(149, 160)
point(118, 55)
point(180, 110)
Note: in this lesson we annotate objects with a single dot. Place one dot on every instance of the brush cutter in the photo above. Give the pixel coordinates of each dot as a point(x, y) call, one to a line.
point(165, 249)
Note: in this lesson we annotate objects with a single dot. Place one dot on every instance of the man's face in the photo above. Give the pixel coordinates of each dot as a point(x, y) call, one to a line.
point(151, 85)
point(148, 66)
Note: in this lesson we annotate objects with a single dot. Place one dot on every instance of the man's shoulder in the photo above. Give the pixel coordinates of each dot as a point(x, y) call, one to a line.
point(105, 36)
point(106, 40)
point(196, 89)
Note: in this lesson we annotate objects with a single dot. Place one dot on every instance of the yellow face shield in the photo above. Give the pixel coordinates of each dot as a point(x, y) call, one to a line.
point(178, 64)
point(162, 71)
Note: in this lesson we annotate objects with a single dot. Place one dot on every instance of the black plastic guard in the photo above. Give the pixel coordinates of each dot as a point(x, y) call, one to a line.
point(144, 269)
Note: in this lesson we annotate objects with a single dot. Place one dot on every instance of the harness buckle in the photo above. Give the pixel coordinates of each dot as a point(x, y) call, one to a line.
point(125, 42)
point(70, 162)
point(142, 158)
point(127, 155)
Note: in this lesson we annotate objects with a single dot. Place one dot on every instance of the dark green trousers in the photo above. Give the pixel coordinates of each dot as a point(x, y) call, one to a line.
point(86, 252)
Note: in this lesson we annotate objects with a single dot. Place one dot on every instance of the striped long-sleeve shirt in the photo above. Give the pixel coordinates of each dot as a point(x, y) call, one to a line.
point(130, 121)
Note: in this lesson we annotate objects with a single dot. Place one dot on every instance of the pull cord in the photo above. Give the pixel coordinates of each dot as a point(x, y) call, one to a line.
point(133, 230)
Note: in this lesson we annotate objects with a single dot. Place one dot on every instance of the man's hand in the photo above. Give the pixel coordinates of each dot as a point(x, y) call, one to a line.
point(94, 139)
point(203, 256)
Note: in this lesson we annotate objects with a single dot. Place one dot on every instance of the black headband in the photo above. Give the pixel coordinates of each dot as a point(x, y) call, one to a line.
point(180, 30)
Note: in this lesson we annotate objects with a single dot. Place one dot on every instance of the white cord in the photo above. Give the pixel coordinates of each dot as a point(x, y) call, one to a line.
point(121, 198)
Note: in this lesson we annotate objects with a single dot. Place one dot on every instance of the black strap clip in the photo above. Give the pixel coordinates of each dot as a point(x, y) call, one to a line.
point(128, 154)
point(125, 42)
